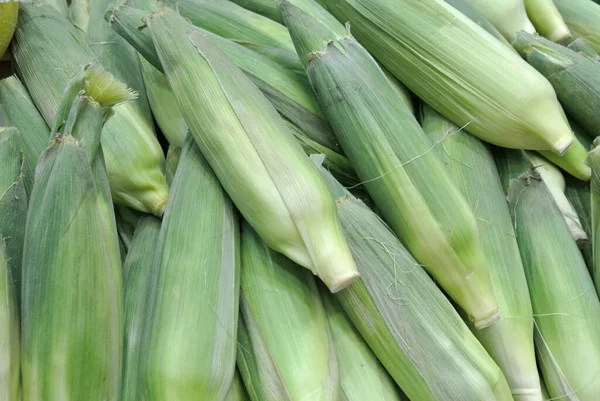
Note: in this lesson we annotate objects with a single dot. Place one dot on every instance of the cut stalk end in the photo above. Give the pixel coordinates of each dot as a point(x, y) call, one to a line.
point(562, 144)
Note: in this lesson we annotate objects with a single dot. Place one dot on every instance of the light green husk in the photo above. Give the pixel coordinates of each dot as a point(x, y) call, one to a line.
point(9, 12)
point(237, 391)
point(594, 162)
point(286, 352)
point(362, 377)
point(13, 212)
point(17, 110)
point(290, 94)
point(480, 85)
point(582, 18)
point(59, 5)
point(547, 20)
point(406, 320)
point(250, 148)
point(267, 8)
point(79, 13)
point(471, 166)
point(72, 335)
point(192, 311)
point(137, 277)
point(575, 77)
point(393, 158)
point(508, 16)
point(580, 45)
point(566, 308)
point(48, 52)
point(556, 184)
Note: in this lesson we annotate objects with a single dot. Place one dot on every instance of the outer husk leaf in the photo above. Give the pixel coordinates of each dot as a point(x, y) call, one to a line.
point(508, 16)
point(189, 346)
point(582, 18)
point(264, 171)
point(284, 321)
point(547, 20)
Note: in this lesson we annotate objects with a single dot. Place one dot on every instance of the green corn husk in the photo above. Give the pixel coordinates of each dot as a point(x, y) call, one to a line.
point(227, 19)
point(267, 8)
point(237, 391)
point(508, 16)
point(575, 77)
point(582, 18)
point(13, 212)
point(290, 94)
point(13, 204)
point(484, 94)
point(594, 162)
point(362, 377)
point(72, 335)
point(556, 184)
point(406, 320)
point(471, 165)
point(273, 184)
point(17, 110)
point(191, 325)
point(137, 277)
point(59, 5)
point(565, 305)
point(393, 158)
point(48, 52)
point(279, 301)
point(173, 155)
point(547, 20)
point(581, 45)
point(465, 8)
point(127, 220)
point(79, 13)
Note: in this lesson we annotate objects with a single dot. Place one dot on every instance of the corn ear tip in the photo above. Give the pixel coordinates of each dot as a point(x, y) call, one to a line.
point(107, 90)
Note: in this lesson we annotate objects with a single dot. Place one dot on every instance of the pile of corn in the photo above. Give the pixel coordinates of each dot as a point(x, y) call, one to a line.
point(299, 200)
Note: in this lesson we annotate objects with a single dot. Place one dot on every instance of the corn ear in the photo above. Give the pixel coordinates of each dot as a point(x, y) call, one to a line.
point(17, 110)
point(406, 320)
point(227, 19)
point(9, 12)
point(582, 18)
point(191, 325)
point(49, 51)
point(580, 45)
point(547, 20)
point(565, 306)
point(465, 8)
point(137, 277)
point(362, 377)
point(273, 184)
point(13, 212)
point(237, 391)
point(508, 16)
point(76, 326)
point(471, 166)
point(575, 77)
point(392, 157)
point(556, 184)
point(267, 8)
point(280, 301)
point(483, 95)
